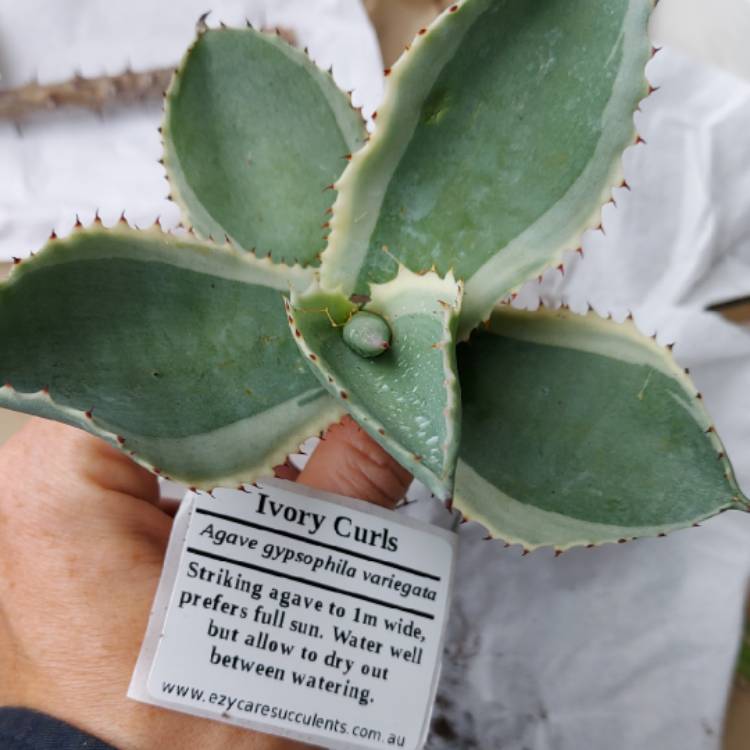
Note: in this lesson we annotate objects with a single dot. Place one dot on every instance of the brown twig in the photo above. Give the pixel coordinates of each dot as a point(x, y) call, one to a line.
point(737, 310)
point(89, 93)
point(92, 93)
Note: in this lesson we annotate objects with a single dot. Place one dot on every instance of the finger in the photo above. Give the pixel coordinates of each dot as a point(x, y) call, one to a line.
point(286, 471)
point(73, 491)
point(169, 505)
point(111, 469)
point(63, 460)
point(349, 462)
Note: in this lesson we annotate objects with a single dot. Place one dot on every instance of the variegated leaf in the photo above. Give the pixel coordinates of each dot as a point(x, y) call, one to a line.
point(176, 351)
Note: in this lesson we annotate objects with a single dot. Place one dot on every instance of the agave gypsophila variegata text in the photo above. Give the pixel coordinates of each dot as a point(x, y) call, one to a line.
point(210, 356)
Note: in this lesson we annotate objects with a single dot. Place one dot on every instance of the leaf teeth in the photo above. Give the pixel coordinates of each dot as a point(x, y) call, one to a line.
point(85, 420)
point(201, 27)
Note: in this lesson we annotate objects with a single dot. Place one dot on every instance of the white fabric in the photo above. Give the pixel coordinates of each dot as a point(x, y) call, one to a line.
point(680, 236)
point(713, 32)
point(626, 647)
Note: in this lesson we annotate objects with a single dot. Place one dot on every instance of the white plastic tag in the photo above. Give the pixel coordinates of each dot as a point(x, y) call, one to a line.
point(300, 613)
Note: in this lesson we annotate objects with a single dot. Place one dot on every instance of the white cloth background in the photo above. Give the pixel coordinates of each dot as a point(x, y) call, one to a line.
point(626, 647)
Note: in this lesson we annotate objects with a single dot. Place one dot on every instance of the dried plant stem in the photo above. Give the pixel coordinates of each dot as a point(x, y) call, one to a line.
point(92, 93)
point(738, 310)
point(89, 93)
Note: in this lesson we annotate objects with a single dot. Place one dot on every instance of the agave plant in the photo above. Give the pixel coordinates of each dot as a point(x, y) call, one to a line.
point(327, 271)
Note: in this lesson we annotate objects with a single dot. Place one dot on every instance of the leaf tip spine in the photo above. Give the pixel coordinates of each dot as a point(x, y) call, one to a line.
point(201, 27)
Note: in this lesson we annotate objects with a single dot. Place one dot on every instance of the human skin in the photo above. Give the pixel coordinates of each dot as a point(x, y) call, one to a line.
point(82, 541)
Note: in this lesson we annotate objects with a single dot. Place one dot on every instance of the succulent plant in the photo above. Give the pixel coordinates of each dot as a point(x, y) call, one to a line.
point(300, 292)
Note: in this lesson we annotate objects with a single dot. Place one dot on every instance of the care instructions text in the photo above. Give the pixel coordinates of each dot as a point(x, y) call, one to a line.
point(300, 613)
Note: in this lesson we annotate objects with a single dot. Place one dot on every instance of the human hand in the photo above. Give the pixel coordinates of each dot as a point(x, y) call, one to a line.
point(82, 541)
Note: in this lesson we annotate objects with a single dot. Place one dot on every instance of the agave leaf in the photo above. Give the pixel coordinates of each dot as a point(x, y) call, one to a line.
point(253, 133)
point(499, 139)
point(407, 398)
point(578, 430)
point(171, 349)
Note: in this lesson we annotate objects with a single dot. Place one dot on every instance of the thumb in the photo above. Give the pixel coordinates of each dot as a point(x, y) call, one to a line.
point(349, 462)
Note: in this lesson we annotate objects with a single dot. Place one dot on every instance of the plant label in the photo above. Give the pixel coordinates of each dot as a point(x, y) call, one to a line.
point(299, 613)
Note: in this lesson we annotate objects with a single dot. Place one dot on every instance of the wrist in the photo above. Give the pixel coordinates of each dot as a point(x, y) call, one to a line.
point(128, 725)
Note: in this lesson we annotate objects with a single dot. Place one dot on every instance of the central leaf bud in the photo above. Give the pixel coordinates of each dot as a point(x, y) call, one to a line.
point(367, 334)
